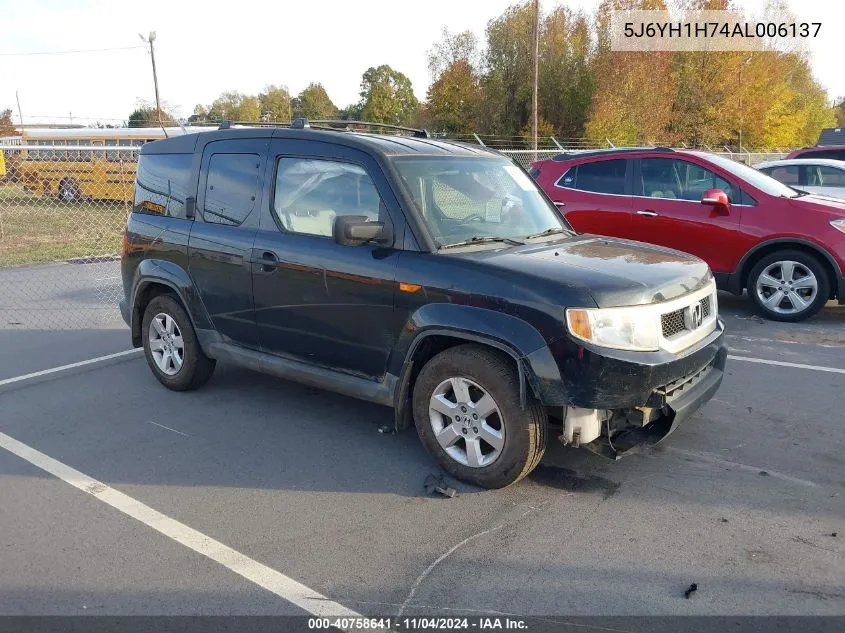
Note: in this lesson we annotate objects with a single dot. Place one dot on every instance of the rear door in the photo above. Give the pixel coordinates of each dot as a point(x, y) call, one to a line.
point(228, 203)
point(668, 211)
point(316, 300)
point(595, 197)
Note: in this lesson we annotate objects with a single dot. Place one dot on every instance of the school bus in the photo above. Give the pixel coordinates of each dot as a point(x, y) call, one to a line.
point(78, 164)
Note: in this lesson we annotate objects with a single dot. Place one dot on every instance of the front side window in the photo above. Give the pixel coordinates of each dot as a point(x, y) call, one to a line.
point(465, 198)
point(232, 188)
point(824, 176)
point(681, 180)
point(310, 193)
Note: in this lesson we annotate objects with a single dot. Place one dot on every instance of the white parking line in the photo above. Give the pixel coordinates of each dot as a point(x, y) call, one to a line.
point(780, 363)
point(263, 576)
point(82, 363)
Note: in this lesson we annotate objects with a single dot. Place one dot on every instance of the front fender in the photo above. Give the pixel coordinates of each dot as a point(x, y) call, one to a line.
point(512, 335)
point(166, 273)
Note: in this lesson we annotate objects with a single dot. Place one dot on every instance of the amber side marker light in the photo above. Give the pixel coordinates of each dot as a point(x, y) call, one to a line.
point(579, 324)
point(409, 287)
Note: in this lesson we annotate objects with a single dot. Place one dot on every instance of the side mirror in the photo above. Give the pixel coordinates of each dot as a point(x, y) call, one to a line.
point(354, 230)
point(716, 198)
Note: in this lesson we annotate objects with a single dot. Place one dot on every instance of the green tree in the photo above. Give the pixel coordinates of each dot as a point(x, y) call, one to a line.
point(200, 114)
point(839, 113)
point(275, 104)
point(314, 103)
point(387, 96)
point(7, 128)
point(146, 115)
point(234, 106)
point(455, 93)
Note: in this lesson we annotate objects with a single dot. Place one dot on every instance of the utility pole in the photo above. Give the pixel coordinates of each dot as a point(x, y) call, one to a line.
point(149, 40)
point(20, 114)
point(741, 111)
point(536, 46)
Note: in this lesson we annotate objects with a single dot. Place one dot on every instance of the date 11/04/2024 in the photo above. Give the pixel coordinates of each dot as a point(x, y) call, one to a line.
point(417, 624)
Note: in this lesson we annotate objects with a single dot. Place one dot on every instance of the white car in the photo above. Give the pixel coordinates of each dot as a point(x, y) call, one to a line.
point(821, 176)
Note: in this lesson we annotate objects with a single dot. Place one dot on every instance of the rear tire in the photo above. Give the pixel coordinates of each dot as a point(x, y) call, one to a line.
point(788, 286)
point(468, 416)
point(171, 347)
point(69, 191)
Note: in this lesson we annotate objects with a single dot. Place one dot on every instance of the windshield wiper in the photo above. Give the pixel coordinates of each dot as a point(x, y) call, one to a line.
point(485, 240)
point(552, 231)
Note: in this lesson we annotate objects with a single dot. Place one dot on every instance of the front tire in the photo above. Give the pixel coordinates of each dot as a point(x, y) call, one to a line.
point(788, 286)
point(468, 416)
point(171, 347)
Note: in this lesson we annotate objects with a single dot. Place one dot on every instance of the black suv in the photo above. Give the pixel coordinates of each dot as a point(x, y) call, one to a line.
point(426, 275)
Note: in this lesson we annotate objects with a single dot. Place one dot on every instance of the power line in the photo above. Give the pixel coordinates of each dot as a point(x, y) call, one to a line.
point(86, 50)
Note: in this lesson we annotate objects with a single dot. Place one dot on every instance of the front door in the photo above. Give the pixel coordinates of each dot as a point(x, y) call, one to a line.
point(317, 300)
point(668, 211)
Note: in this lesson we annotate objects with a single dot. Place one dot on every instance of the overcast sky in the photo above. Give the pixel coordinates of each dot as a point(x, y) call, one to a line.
point(202, 50)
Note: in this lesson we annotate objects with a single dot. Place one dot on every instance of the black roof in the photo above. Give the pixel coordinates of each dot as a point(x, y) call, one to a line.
point(564, 156)
point(832, 136)
point(387, 145)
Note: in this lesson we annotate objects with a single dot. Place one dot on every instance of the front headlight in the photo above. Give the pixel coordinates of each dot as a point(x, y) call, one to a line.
point(634, 328)
point(839, 225)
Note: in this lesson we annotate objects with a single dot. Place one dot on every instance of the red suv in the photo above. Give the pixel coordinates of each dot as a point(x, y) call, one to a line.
point(785, 246)
point(836, 152)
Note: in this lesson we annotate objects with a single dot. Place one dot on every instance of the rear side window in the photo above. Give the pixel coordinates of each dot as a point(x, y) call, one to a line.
point(162, 183)
point(604, 176)
point(789, 175)
point(824, 176)
point(232, 188)
point(836, 154)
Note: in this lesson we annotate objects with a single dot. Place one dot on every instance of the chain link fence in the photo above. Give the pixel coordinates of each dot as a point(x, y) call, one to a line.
point(62, 213)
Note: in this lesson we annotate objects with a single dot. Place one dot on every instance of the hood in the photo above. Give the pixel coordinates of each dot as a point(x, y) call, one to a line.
point(835, 206)
point(613, 271)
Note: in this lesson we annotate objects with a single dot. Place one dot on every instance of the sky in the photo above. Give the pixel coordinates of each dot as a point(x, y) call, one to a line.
point(204, 48)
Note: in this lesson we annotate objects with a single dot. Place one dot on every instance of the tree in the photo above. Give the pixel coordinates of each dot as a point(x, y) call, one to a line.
point(146, 115)
point(455, 93)
point(200, 114)
point(387, 96)
point(234, 106)
point(275, 104)
point(839, 112)
point(7, 128)
point(314, 103)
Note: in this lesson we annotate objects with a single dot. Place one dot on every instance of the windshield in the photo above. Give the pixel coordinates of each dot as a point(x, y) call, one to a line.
point(462, 199)
point(758, 179)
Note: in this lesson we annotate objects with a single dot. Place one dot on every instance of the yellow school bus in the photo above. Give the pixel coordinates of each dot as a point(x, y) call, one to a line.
point(85, 163)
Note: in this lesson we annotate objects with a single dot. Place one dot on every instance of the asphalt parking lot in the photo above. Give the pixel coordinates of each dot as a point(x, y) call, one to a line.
point(223, 500)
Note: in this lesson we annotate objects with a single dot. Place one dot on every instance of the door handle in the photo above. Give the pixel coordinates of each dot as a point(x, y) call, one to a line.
point(269, 261)
point(647, 213)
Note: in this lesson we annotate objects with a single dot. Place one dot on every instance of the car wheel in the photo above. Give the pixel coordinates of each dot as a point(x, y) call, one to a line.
point(789, 286)
point(171, 347)
point(468, 415)
point(69, 190)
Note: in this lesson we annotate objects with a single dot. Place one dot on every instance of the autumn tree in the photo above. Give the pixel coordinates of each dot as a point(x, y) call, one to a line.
point(200, 114)
point(455, 93)
point(274, 104)
point(387, 96)
point(7, 128)
point(314, 103)
point(234, 106)
point(839, 112)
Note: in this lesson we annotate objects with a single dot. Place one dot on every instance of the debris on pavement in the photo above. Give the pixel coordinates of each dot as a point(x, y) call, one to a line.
point(438, 484)
point(385, 429)
point(690, 590)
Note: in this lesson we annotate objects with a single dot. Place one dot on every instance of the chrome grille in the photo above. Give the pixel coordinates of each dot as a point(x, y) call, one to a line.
point(673, 323)
point(705, 307)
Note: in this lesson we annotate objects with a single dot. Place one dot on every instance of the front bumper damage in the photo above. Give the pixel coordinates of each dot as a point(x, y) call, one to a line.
point(615, 432)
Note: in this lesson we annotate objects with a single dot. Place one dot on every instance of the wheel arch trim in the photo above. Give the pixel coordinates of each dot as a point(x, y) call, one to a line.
point(744, 269)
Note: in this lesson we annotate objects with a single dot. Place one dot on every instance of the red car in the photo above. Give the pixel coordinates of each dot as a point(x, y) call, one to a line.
point(783, 245)
point(836, 152)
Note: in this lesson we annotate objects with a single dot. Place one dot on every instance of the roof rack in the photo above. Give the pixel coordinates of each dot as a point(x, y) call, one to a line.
point(228, 124)
point(611, 150)
point(332, 124)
